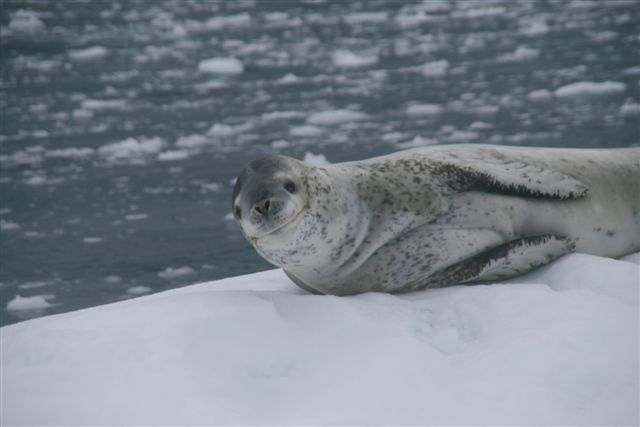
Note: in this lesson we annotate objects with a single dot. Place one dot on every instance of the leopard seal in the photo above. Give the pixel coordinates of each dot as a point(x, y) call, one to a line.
point(439, 215)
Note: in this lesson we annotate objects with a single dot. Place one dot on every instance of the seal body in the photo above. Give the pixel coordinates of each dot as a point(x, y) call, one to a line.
point(438, 215)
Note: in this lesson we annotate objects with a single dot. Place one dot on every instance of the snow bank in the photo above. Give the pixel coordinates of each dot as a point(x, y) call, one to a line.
point(227, 66)
point(558, 346)
point(590, 89)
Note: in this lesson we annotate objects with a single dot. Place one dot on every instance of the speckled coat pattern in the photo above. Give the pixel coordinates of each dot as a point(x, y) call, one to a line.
point(442, 215)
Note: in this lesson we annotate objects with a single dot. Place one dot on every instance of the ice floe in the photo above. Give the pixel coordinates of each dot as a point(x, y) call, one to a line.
point(590, 89)
point(88, 53)
point(225, 66)
point(334, 117)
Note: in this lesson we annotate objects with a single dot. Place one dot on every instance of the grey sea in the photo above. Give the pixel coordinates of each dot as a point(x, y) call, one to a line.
point(124, 123)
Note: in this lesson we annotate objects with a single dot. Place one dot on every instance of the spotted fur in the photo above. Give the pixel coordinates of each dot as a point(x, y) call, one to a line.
point(441, 215)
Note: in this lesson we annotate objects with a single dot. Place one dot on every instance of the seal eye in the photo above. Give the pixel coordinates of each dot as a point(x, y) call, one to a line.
point(238, 211)
point(290, 187)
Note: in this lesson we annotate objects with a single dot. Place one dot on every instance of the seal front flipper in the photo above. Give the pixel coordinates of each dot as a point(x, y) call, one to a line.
point(509, 178)
point(510, 259)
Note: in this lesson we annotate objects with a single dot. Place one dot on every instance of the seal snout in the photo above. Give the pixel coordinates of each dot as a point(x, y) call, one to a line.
point(267, 207)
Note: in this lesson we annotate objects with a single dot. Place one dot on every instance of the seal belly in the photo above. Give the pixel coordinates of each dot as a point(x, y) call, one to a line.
point(607, 221)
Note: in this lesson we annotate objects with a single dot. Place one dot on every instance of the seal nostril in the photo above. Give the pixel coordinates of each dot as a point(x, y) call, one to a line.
point(263, 207)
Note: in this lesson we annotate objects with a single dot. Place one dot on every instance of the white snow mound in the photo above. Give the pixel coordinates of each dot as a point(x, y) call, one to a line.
point(556, 347)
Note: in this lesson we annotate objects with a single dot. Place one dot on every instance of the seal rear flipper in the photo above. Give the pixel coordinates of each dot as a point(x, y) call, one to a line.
point(510, 178)
point(507, 260)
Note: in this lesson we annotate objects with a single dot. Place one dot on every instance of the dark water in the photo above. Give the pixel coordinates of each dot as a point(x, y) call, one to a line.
point(119, 145)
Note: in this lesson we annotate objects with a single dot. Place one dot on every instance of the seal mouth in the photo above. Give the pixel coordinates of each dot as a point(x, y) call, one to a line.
point(279, 228)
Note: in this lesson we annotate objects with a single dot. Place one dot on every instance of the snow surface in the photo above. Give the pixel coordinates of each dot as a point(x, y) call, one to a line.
point(557, 346)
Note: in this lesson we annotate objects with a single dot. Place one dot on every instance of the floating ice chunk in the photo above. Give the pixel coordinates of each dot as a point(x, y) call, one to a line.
point(88, 54)
point(39, 108)
point(226, 66)
point(36, 179)
point(9, 225)
point(424, 110)
point(365, 17)
point(208, 187)
point(28, 156)
point(131, 149)
point(590, 89)
point(522, 53)
point(138, 290)
point(229, 21)
point(435, 68)
point(37, 302)
point(210, 85)
point(480, 126)
point(82, 114)
point(282, 115)
point(461, 136)
point(71, 153)
point(221, 130)
point(288, 78)
point(136, 217)
point(173, 155)
point(276, 17)
point(346, 59)
point(172, 273)
point(25, 22)
point(534, 27)
point(93, 239)
point(334, 117)
point(280, 143)
point(478, 11)
point(315, 159)
point(540, 95)
point(113, 279)
point(632, 71)
point(192, 141)
point(629, 109)
point(229, 217)
point(305, 131)
point(104, 104)
point(32, 285)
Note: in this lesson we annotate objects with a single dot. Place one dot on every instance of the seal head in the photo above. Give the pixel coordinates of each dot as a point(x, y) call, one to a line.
point(269, 195)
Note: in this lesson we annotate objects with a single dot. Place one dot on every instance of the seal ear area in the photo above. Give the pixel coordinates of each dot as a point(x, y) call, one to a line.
point(513, 179)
